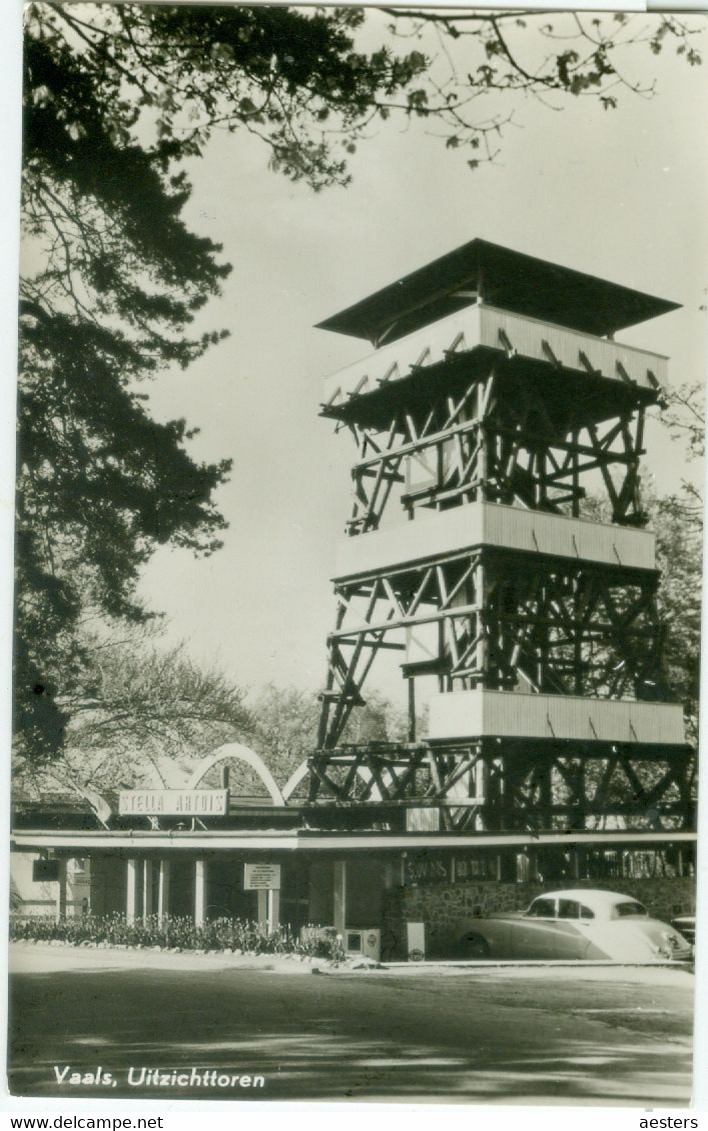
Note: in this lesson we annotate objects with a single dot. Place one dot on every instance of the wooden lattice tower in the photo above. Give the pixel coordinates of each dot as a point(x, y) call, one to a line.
point(496, 541)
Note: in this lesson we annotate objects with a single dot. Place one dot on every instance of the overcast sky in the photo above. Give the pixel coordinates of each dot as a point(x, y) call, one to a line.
point(618, 194)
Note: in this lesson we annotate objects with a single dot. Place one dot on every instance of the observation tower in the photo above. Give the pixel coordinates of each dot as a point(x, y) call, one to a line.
point(496, 542)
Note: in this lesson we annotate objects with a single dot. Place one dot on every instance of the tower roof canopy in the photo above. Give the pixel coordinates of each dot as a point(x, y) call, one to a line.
point(504, 278)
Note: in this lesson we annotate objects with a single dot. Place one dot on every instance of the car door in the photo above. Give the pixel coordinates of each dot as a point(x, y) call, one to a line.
point(536, 930)
point(571, 939)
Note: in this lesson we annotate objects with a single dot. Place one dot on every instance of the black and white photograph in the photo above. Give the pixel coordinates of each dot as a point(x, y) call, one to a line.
point(358, 552)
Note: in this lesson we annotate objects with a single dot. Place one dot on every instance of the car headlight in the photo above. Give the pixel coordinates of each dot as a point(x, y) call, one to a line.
point(670, 943)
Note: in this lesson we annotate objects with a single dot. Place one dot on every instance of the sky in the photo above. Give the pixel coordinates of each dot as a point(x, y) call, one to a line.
point(618, 194)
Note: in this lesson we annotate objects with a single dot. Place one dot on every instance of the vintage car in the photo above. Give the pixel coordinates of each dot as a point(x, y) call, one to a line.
point(575, 924)
point(686, 926)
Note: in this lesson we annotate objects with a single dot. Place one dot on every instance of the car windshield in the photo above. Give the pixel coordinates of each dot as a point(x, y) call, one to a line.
point(628, 909)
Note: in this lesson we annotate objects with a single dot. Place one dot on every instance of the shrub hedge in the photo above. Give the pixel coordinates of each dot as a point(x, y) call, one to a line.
point(177, 931)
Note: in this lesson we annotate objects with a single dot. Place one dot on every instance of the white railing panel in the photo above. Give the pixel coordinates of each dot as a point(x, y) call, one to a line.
point(488, 326)
point(527, 337)
point(435, 534)
point(504, 714)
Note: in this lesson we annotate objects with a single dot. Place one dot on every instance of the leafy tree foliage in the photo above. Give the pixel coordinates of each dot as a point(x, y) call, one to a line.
point(678, 522)
point(572, 53)
point(143, 716)
point(116, 98)
point(679, 556)
point(285, 728)
point(300, 82)
point(684, 416)
point(113, 281)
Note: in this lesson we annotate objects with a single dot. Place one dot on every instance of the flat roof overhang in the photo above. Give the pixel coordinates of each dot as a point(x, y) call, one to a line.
point(510, 279)
point(329, 842)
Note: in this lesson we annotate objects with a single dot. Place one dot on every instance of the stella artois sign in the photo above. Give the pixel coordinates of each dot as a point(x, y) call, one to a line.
point(173, 802)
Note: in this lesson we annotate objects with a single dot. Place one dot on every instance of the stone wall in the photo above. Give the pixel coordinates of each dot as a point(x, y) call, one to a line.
point(442, 906)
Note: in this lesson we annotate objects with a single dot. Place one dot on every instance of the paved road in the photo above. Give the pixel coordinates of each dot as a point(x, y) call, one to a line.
point(616, 1037)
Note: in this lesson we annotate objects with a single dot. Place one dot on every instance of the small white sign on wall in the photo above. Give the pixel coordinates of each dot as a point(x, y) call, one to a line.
point(415, 938)
point(259, 877)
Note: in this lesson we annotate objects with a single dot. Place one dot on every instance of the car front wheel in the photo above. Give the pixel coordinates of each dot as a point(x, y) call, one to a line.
point(474, 947)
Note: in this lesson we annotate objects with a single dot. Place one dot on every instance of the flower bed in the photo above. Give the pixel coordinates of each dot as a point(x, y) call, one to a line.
point(174, 931)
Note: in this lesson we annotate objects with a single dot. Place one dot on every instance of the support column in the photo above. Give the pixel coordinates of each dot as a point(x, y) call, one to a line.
point(262, 908)
point(131, 900)
point(340, 896)
point(273, 910)
point(61, 891)
point(147, 888)
point(163, 892)
point(411, 710)
point(480, 597)
point(200, 892)
point(483, 439)
point(481, 791)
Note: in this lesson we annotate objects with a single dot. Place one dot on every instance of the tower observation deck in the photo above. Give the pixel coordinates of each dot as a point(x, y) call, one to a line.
point(496, 540)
